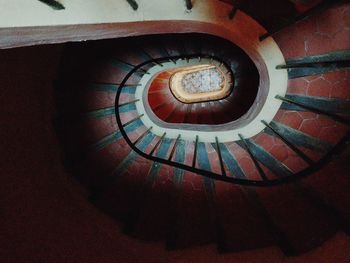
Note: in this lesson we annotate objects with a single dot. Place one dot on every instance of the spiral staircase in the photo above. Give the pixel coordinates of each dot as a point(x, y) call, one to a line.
point(170, 171)
point(251, 169)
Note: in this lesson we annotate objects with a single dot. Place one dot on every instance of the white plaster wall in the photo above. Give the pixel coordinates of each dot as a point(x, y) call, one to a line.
point(37, 23)
point(117, 16)
point(25, 13)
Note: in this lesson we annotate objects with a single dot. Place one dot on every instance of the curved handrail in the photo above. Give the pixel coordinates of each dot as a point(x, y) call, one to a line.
point(337, 149)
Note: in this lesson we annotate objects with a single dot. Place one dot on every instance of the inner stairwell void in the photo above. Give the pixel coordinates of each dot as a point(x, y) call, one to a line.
point(227, 128)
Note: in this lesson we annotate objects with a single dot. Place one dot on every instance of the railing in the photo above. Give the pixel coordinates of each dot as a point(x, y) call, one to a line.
point(135, 5)
point(55, 5)
point(264, 182)
point(318, 8)
point(312, 11)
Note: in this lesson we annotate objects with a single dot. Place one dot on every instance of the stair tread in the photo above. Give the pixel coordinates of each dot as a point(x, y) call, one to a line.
point(304, 225)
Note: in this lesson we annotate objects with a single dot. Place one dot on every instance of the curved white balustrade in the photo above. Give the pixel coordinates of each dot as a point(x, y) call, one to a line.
point(264, 108)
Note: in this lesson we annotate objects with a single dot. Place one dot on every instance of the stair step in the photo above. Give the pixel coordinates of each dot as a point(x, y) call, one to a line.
point(120, 191)
point(299, 138)
point(194, 224)
point(231, 162)
point(243, 227)
point(330, 185)
point(303, 224)
point(258, 153)
point(166, 110)
point(179, 114)
point(153, 212)
point(244, 161)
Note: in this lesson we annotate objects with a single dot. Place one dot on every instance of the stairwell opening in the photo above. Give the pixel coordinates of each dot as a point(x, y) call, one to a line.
point(235, 96)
